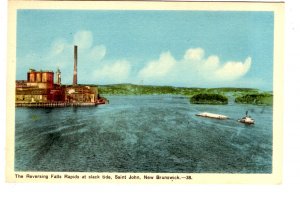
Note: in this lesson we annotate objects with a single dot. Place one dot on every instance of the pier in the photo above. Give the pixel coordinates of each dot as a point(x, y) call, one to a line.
point(56, 104)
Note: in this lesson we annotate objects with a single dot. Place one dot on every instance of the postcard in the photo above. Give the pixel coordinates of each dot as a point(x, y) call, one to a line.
point(145, 92)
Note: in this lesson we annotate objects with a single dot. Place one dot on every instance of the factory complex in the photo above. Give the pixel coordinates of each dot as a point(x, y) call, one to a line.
point(44, 89)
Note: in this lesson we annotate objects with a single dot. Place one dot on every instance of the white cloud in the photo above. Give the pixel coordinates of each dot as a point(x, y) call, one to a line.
point(193, 69)
point(158, 68)
point(61, 52)
point(211, 63)
point(117, 72)
point(194, 54)
point(233, 70)
point(60, 55)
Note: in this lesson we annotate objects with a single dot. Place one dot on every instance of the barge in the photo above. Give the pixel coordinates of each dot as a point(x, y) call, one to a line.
point(212, 115)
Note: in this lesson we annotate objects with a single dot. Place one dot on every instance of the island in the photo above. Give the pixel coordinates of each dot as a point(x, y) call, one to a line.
point(256, 99)
point(205, 98)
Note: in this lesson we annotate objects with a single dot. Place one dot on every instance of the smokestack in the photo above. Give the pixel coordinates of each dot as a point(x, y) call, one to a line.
point(75, 66)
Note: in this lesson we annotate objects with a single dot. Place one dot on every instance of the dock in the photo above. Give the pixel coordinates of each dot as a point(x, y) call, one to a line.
point(56, 104)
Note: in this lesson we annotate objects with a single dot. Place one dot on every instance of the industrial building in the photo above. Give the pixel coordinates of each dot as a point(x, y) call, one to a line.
point(40, 90)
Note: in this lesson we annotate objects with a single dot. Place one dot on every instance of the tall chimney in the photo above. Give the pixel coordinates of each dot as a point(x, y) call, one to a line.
point(75, 66)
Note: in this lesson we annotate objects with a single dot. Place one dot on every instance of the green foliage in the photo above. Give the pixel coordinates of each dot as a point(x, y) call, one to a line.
point(256, 99)
point(229, 89)
point(205, 98)
point(131, 89)
point(209, 95)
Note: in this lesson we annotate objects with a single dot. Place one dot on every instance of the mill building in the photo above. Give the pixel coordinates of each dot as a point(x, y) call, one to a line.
point(44, 88)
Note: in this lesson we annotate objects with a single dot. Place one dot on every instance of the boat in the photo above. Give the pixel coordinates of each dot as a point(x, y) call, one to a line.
point(211, 115)
point(246, 119)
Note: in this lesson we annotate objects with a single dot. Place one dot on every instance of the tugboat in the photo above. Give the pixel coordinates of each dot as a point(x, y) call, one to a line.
point(246, 119)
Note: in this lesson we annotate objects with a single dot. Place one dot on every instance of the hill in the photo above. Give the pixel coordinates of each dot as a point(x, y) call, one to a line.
point(207, 95)
point(132, 89)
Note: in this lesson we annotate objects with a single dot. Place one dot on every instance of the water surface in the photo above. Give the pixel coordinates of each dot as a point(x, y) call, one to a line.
point(144, 134)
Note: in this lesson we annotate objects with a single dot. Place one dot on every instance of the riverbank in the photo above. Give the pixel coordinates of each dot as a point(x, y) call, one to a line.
point(237, 95)
point(132, 89)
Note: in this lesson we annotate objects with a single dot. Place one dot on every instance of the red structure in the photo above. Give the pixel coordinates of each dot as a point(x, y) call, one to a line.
point(40, 90)
point(41, 79)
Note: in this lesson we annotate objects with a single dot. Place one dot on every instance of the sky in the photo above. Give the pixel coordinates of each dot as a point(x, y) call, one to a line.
point(178, 48)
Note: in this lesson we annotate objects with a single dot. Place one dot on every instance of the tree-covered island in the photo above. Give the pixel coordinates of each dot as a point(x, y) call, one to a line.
point(206, 98)
point(255, 99)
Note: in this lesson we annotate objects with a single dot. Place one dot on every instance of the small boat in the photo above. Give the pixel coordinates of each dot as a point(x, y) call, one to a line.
point(211, 115)
point(246, 119)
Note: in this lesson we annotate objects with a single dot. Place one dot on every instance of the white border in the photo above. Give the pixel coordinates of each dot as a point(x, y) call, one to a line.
point(289, 186)
point(273, 178)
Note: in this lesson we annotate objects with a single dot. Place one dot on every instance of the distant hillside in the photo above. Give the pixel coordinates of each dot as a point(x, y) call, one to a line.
point(131, 89)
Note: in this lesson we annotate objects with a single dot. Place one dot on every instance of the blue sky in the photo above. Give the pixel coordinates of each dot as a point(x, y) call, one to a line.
point(179, 48)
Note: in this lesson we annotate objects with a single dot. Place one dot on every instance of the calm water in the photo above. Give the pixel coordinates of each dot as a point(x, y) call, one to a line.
point(144, 134)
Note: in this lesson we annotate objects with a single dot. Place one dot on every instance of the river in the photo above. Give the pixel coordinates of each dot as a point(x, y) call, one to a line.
point(144, 134)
